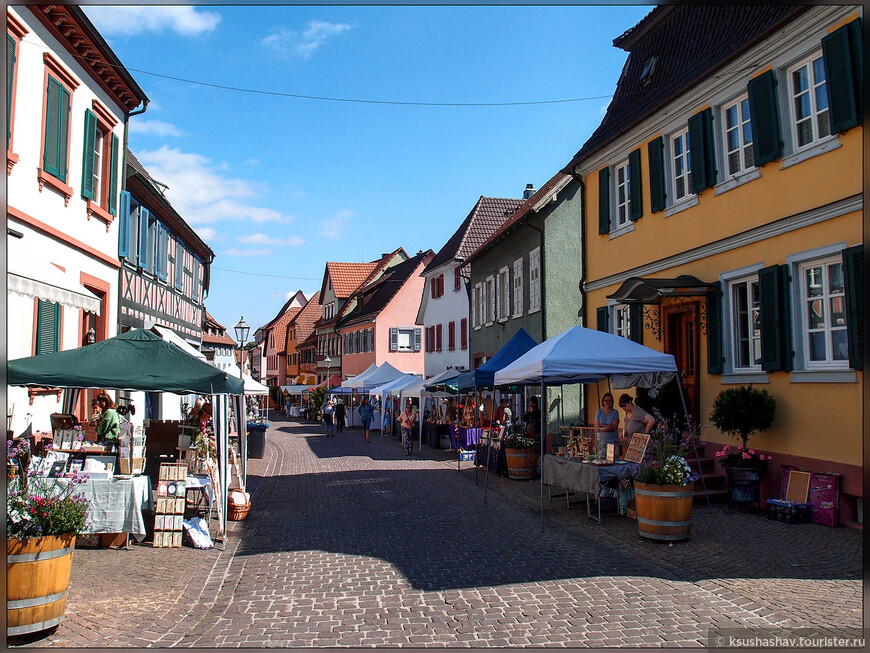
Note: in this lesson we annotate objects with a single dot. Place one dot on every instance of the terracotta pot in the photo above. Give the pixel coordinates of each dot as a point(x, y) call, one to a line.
point(37, 580)
point(664, 512)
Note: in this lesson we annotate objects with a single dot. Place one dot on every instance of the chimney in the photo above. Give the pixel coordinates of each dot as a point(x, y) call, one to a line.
point(529, 191)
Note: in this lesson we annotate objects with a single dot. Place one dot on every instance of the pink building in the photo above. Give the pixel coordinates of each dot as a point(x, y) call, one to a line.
point(379, 326)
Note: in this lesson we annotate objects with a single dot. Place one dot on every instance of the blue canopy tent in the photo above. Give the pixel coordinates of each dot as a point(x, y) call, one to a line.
point(580, 355)
point(483, 376)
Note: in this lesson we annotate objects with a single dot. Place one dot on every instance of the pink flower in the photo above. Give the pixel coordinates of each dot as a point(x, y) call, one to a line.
point(746, 456)
point(740, 447)
point(752, 452)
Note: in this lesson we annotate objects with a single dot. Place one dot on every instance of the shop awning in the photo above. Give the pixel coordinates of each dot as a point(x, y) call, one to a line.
point(332, 381)
point(305, 379)
point(641, 290)
point(295, 389)
point(39, 279)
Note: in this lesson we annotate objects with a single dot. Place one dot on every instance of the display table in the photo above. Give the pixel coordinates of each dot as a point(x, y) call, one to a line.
point(432, 432)
point(295, 411)
point(464, 438)
point(116, 504)
point(592, 480)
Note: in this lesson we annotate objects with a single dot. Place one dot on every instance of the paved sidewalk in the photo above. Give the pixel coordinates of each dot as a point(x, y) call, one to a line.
point(353, 544)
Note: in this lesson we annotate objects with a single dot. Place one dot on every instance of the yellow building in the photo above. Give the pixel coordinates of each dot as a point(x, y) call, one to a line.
point(732, 153)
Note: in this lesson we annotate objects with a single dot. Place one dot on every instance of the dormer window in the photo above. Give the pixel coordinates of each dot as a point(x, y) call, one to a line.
point(648, 70)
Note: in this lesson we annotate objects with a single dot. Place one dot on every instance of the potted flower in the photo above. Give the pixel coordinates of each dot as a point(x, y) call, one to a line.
point(664, 491)
point(43, 517)
point(521, 454)
point(740, 412)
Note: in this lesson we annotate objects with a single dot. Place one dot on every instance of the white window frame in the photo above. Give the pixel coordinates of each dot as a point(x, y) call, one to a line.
point(808, 63)
point(684, 155)
point(744, 148)
point(734, 325)
point(535, 280)
point(518, 288)
point(622, 198)
point(490, 300)
point(829, 363)
point(620, 320)
point(404, 330)
point(504, 294)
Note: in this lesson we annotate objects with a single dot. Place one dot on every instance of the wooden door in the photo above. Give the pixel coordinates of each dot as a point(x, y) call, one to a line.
point(682, 341)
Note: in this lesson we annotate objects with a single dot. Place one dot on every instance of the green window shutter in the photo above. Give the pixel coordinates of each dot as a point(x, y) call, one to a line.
point(604, 201)
point(714, 330)
point(774, 319)
point(657, 192)
point(601, 316)
point(63, 132)
point(766, 144)
point(88, 155)
point(113, 174)
point(144, 215)
point(841, 83)
point(10, 85)
point(124, 226)
point(47, 327)
point(635, 320)
point(853, 273)
point(635, 185)
point(51, 159)
point(702, 154)
point(856, 50)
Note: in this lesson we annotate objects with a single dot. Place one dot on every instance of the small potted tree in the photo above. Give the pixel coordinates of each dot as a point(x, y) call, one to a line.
point(740, 412)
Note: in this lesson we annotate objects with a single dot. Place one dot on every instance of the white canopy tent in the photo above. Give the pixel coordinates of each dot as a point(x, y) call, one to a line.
point(418, 389)
point(359, 381)
point(170, 336)
point(581, 355)
point(252, 387)
point(295, 389)
point(380, 376)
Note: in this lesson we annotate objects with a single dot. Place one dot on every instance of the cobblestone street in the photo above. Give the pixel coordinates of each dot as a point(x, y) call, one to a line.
point(353, 544)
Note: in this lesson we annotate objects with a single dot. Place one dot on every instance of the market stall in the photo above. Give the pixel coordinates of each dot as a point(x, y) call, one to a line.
point(142, 360)
point(438, 422)
point(580, 355)
point(372, 377)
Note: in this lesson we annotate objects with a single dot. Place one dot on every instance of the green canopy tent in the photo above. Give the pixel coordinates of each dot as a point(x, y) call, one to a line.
point(139, 360)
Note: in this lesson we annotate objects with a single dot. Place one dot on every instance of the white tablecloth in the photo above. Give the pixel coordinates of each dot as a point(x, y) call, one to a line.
point(116, 504)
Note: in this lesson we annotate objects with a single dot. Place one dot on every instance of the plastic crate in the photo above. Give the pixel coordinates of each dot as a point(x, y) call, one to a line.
point(791, 513)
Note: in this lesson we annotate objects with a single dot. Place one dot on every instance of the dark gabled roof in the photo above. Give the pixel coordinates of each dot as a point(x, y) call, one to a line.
point(376, 296)
point(517, 216)
point(488, 214)
point(689, 43)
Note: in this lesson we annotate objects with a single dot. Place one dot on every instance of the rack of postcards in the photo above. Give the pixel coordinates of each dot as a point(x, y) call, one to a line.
point(169, 508)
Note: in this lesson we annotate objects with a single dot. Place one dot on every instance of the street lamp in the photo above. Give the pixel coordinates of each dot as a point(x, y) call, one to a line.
point(328, 362)
point(242, 331)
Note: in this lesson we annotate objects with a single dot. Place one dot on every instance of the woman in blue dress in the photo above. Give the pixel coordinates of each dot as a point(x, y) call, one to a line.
point(606, 424)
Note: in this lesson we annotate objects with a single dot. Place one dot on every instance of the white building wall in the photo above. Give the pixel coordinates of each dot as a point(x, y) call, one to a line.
point(64, 223)
point(452, 306)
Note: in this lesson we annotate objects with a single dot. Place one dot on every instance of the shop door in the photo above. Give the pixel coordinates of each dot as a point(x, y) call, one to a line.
point(681, 340)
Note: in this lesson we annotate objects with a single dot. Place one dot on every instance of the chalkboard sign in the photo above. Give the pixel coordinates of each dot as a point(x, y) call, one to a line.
point(637, 447)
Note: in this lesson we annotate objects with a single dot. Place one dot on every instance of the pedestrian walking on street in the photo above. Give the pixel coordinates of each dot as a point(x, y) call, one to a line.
point(406, 421)
point(340, 414)
point(328, 413)
point(366, 414)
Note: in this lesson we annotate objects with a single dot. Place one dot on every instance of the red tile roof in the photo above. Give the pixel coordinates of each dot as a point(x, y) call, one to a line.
point(346, 277)
point(524, 208)
point(306, 318)
point(280, 328)
point(210, 323)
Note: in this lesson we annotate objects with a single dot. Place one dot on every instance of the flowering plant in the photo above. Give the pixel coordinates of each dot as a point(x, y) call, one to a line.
point(37, 506)
point(666, 464)
point(738, 457)
point(518, 440)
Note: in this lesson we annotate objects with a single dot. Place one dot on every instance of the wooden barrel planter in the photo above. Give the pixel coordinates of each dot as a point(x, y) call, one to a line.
point(664, 512)
point(522, 464)
point(37, 580)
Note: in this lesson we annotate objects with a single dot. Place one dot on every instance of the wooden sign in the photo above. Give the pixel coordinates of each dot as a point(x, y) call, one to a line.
point(798, 487)
point(637, 447)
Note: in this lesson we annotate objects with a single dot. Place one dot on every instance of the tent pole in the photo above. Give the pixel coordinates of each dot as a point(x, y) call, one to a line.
point(488, 446)
point(692, 438)
point(543, 438)
point(479, 425)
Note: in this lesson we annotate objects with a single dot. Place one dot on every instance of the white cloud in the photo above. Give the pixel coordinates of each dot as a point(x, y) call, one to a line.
point(154, 128)
point(234, 251)
point(207, 233)
point(303, 44)
point(129, 20)
point(336, 226)
point(252, 162)
point(201, 192)
point(265, 239)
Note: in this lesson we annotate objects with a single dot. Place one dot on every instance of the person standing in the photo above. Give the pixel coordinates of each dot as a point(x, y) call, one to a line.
point(366, 414)
point(406, 422)
point(328, 414)
point(606, 424)
point(637, 420)
point(532, 417)
point(340, 414)
point(506, 415)
point(109, 427)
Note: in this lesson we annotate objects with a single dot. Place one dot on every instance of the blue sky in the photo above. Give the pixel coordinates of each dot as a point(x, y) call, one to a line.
point(279, 185)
